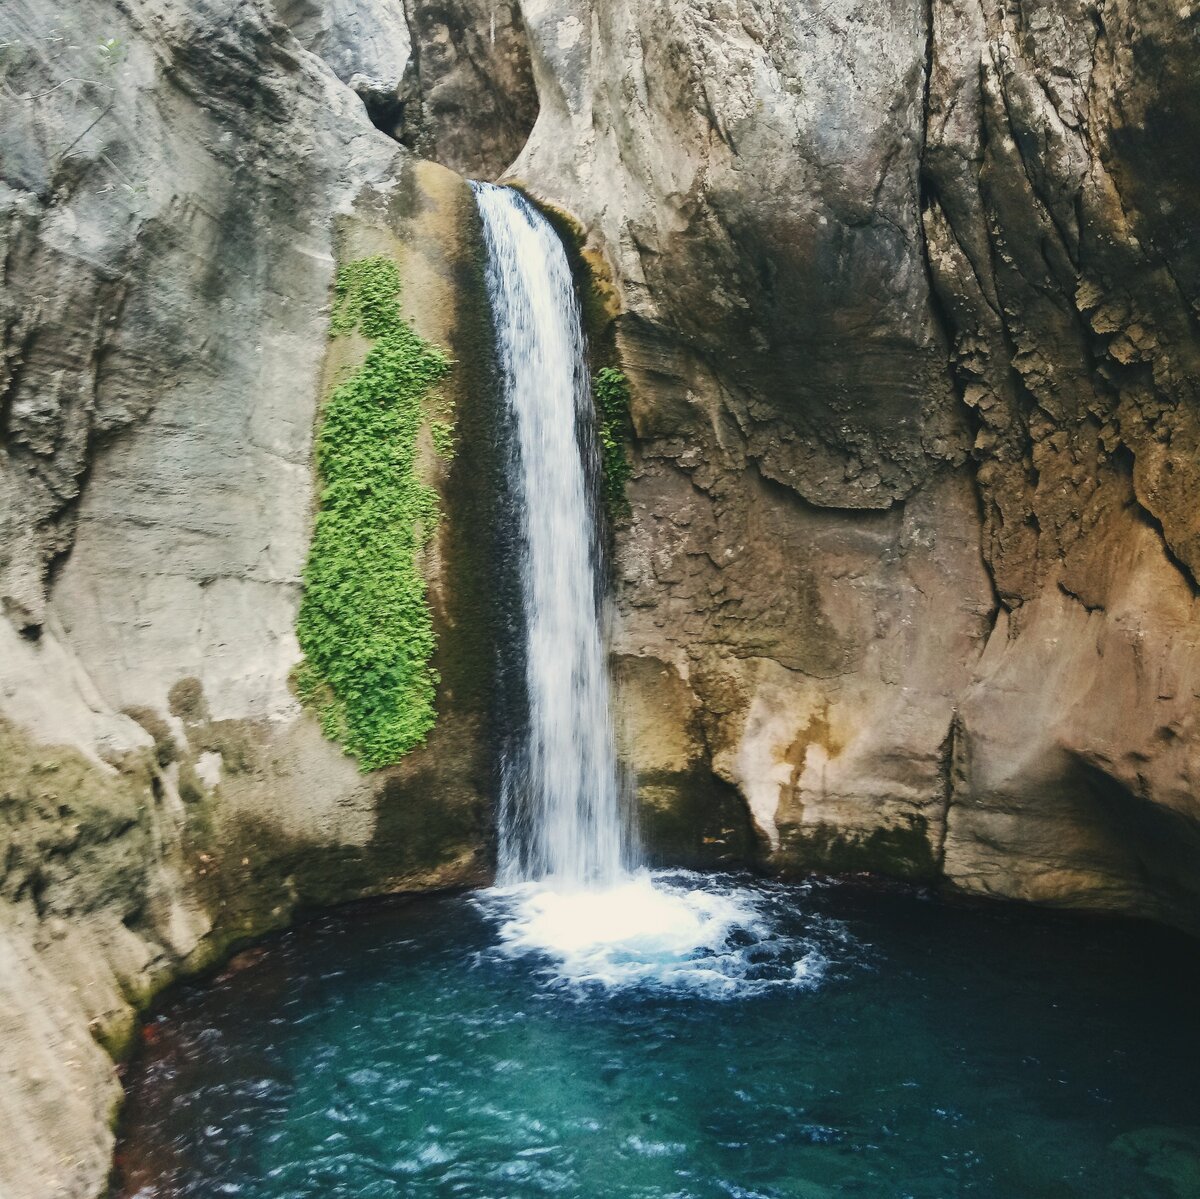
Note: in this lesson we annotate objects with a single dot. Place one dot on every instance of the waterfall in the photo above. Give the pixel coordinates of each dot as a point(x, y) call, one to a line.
point(568, 888)
point(560, 814)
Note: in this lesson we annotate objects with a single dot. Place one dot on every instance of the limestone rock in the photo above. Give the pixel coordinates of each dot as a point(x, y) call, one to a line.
point(807, 214)
point(367, 45)
point(476, 100)
point(178, 179)
point(752, 172)
point(908, 296)
point(451, 80)
point(1061, 231)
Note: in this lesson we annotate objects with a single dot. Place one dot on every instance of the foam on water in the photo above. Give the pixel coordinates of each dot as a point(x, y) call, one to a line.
point(667, 931)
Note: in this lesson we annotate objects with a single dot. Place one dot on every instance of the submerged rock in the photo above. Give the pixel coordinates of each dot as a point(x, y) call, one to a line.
point(1172, 1155)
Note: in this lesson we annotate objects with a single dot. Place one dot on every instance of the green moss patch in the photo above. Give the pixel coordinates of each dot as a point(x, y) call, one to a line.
point(365, 624)
point(610, 389)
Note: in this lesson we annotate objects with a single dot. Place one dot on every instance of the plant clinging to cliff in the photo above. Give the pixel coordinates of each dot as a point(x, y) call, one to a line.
point(365, 624)
point(610, 388)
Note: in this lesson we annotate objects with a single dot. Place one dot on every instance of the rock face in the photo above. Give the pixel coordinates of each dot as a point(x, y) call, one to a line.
point(367, 45)
point(734, 158)
point(476, 101)
point(910, 302)
point(175, 196)
point(909, 297)
point(1062, 241)
point(450, 81)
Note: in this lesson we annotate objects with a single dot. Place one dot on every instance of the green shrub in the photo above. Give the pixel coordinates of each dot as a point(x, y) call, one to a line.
point(610, 389)
point(365, 625)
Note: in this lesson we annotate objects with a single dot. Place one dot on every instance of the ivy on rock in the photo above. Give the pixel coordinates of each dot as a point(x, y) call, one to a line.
point(610, 389)
point(365, 625)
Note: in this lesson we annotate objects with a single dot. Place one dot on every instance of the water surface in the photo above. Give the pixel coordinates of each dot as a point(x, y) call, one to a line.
point(830, 1041)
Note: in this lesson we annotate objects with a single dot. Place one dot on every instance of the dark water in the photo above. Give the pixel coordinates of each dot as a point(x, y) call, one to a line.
point(393, 1051)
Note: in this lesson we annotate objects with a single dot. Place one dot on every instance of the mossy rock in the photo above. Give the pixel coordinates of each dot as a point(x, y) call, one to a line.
point(365, 625)
point(165, 749)
point(902, 851)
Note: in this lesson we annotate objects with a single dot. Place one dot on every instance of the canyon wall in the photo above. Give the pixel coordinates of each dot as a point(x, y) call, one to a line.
point(910, 312)
point(179, 183)
point(908, 299)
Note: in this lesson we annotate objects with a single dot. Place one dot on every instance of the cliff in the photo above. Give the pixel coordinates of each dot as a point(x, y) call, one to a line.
point(909, 308)
point(908, 299)
point(179, 184)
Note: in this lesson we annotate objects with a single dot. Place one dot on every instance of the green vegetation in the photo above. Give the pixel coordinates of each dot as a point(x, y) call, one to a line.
point(110, 54)
point(610, 388)
point(442, 433)
point(365, 625)
point(367, 298)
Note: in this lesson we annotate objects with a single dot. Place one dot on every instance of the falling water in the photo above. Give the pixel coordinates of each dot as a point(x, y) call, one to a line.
point(568, 889)
point(560, 816)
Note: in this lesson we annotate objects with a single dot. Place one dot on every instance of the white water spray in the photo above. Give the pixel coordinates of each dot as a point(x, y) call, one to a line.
point(560, 813)
point(568, 887)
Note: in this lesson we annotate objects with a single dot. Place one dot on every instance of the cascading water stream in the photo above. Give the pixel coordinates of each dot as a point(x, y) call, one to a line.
point(560, 813)
point(568, 883)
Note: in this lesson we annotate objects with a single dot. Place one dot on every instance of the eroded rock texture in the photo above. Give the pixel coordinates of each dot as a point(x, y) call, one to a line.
point(935, 620)
point(474, 82)
point(178, 179)
point(450, 80)
point(753, 172)
point(1062, 225)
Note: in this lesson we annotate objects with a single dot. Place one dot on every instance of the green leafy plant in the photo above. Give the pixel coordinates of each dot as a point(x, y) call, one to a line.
point(442, 433)
point(110, 54)
point(365, 625)
point(610, 389)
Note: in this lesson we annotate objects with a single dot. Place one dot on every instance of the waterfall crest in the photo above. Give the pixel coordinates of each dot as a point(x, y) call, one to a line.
point(560, 813)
